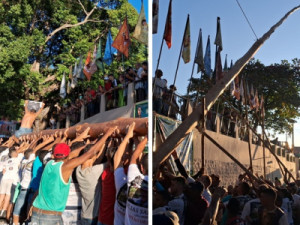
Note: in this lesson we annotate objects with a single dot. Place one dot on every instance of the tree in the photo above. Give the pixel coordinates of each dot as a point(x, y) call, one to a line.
point(41, 39)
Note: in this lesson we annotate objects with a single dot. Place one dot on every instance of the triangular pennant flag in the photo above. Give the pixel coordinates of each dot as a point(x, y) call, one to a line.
point(219, 72)
point(62, 91)
point(199, 55)
point(141, 29)
point(74, 80)
point(80, 73)
point(186, 48)
point(231, 64)
point(155, 10)
point(99, 60)
point(90, 66)
point(68, 87)
point(218, 40)
point(109, 50)
point(122, 41)
point(225, 64)
point(168, 27)
point(207, 58)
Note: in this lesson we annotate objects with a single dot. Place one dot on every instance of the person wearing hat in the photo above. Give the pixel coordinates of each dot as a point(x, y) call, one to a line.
point(55, 182)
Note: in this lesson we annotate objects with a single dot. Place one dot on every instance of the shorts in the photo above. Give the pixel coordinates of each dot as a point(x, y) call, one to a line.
point(12, 193)
point(5, 186)
point(22, 131)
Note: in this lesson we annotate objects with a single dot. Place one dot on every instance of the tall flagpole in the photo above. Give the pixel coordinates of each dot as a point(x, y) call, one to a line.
point(178, 61)
point(160, 51)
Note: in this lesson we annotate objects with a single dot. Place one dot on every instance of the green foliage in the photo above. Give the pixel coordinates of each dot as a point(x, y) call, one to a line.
point(278, 83)
point(24, 27)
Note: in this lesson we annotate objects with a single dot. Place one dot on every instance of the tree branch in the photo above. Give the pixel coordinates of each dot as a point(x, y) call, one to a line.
point(83, 7)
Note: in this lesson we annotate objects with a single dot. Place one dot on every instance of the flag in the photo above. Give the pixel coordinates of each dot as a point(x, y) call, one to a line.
point(262, 107)
point(231, 64)
point(225, 64)
point(207, 58)
point(186, 48)
point(199, 54)
point(122, 41)
point(155, 10)
point(80, 73)
point(62, 91)
point(218, 40)
point(74, 80)
point(237, 92)
point(168, 27)
point(90, 66)
point(219, 72)
point(109, 50)
point(141, 29)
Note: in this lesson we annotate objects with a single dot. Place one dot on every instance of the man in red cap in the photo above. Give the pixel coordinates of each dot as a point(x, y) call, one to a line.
point(55, 182)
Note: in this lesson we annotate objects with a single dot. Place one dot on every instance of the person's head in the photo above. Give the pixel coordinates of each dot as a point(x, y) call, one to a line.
point(106, 79)
point(177, 186)
point(145, 65)
point(121, 78)
point(27, 153)
point(261, 188)
point(110, 153)
point(166, 218)
point(243, 188)
point(111, 77)
point(233, 207)
point(215, 180)
point(144, 164)
point(13, 152)
point(61, 151)
point(77, 145)
point(173, 88)
point(195, 190)
point(292, 187)
point(206, 180)
point(158, 73)
point(268, 197)
point(230, 189)
point(160, 199)
point(42, 154)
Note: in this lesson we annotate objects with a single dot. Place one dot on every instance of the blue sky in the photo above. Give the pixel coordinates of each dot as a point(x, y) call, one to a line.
point(236, 34)
point(137, 4)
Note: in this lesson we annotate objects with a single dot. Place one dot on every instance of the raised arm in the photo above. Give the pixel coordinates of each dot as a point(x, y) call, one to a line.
point(122, 147)
point(26, 106)
point(41, 109)
point(69, 166)
point(139, 149)
point(179, 165)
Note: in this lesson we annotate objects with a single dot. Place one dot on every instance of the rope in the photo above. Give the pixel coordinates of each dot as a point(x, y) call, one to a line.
point(246, 19)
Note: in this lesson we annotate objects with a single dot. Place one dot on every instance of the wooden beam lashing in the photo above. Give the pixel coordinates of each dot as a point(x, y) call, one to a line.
point(164, 150)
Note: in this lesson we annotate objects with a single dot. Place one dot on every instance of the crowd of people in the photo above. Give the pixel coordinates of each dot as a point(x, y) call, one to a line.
point(186, 200)
point(115, 90)
point(50, 179)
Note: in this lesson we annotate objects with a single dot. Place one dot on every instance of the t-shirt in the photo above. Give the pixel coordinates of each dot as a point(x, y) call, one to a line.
point(90, 187)
point(137, 201)
point(108, 197)
point(243, 199)
point(159, 85)
point(26, 171)
point(11, 167)
point(287, 208)
point(37, 171)
point(3, 157)
point(207, 195)
point(177, 205)
point(121, 197)
point(296, 199)
point(250, 211)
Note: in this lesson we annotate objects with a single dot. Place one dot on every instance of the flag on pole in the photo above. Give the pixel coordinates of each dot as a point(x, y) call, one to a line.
point(141, 29)
point(207, 58)
point(122, 41)
point(99, 59)
point(80, 73)
point(199, 54)
point(90, 66)
point(109, 50)
point(218, 40)
point(242, 93)
point(237, 92)
point(219, 72)
point(62, 91)
point(168, 27)
point(225, 64)
point(155, 10)
point(186, 48)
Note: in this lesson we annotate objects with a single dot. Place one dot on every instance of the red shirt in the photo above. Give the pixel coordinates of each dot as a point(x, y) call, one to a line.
point(107, 87)
point(108, 197)
point(93, 93)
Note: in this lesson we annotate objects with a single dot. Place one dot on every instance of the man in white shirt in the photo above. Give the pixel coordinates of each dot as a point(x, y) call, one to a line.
point(3, 157)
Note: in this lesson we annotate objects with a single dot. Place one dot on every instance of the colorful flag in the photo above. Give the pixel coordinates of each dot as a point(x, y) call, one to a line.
point(219, 72)
point(90, 66)
point(199, 54)
point(237, 91)
point(99, 59)
point(218, 40)
point(186, 48)
point(62, 91)
point(207, 58)
point(109, 50)
point(155, 10)
point(168, 27)
point(122, 41)
point(80, 73)
point(141, 29)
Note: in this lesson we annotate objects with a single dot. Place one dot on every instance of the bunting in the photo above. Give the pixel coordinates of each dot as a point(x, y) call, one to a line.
point(122, 41)
point(62, 91)
point(199, 54)
point(168, 27)
point(141, 29)
point(186, 48)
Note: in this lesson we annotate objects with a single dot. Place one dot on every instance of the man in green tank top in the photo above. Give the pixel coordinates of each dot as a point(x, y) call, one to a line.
point(55, 182)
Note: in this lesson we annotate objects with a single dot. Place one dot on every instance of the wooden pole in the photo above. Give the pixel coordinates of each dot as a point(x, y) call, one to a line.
point(264, 150)
point(202, 136)
point(190, 122)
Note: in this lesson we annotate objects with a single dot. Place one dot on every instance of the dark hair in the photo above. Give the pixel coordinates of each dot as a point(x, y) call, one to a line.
point(77, 145)
point(180, 180)
point(207, 179)
point(245, 188)
point(86, 149)
point(144, 162)
point(270, 192)
point(158, 73)
point(233, 206)
point(42, 155)
point(197, 186)
point(165, 195)
point(145, 63)
point(28, 152)
point(11, 150)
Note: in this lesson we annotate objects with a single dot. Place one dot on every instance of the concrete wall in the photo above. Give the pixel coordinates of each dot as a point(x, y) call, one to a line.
point(217, 162)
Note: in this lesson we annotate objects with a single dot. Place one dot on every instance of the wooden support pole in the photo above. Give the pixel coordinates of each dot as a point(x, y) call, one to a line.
point(202, 131)
point(231, 157)
point(264, 150)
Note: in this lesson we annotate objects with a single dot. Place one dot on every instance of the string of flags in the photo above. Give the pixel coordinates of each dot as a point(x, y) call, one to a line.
point(95, 60)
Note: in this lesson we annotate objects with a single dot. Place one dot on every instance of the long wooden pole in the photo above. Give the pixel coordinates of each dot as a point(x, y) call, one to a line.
point(249, 138)
point(202, 136)
point(264, 150)
point(190, 122)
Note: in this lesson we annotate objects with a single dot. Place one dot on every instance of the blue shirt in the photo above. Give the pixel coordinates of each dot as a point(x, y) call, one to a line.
point(37, 171)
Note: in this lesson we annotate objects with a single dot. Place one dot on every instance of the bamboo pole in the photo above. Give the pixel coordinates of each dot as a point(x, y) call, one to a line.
point(202, 136)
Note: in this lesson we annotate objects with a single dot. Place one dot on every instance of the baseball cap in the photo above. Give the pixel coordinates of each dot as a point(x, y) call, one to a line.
point(61, 150)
